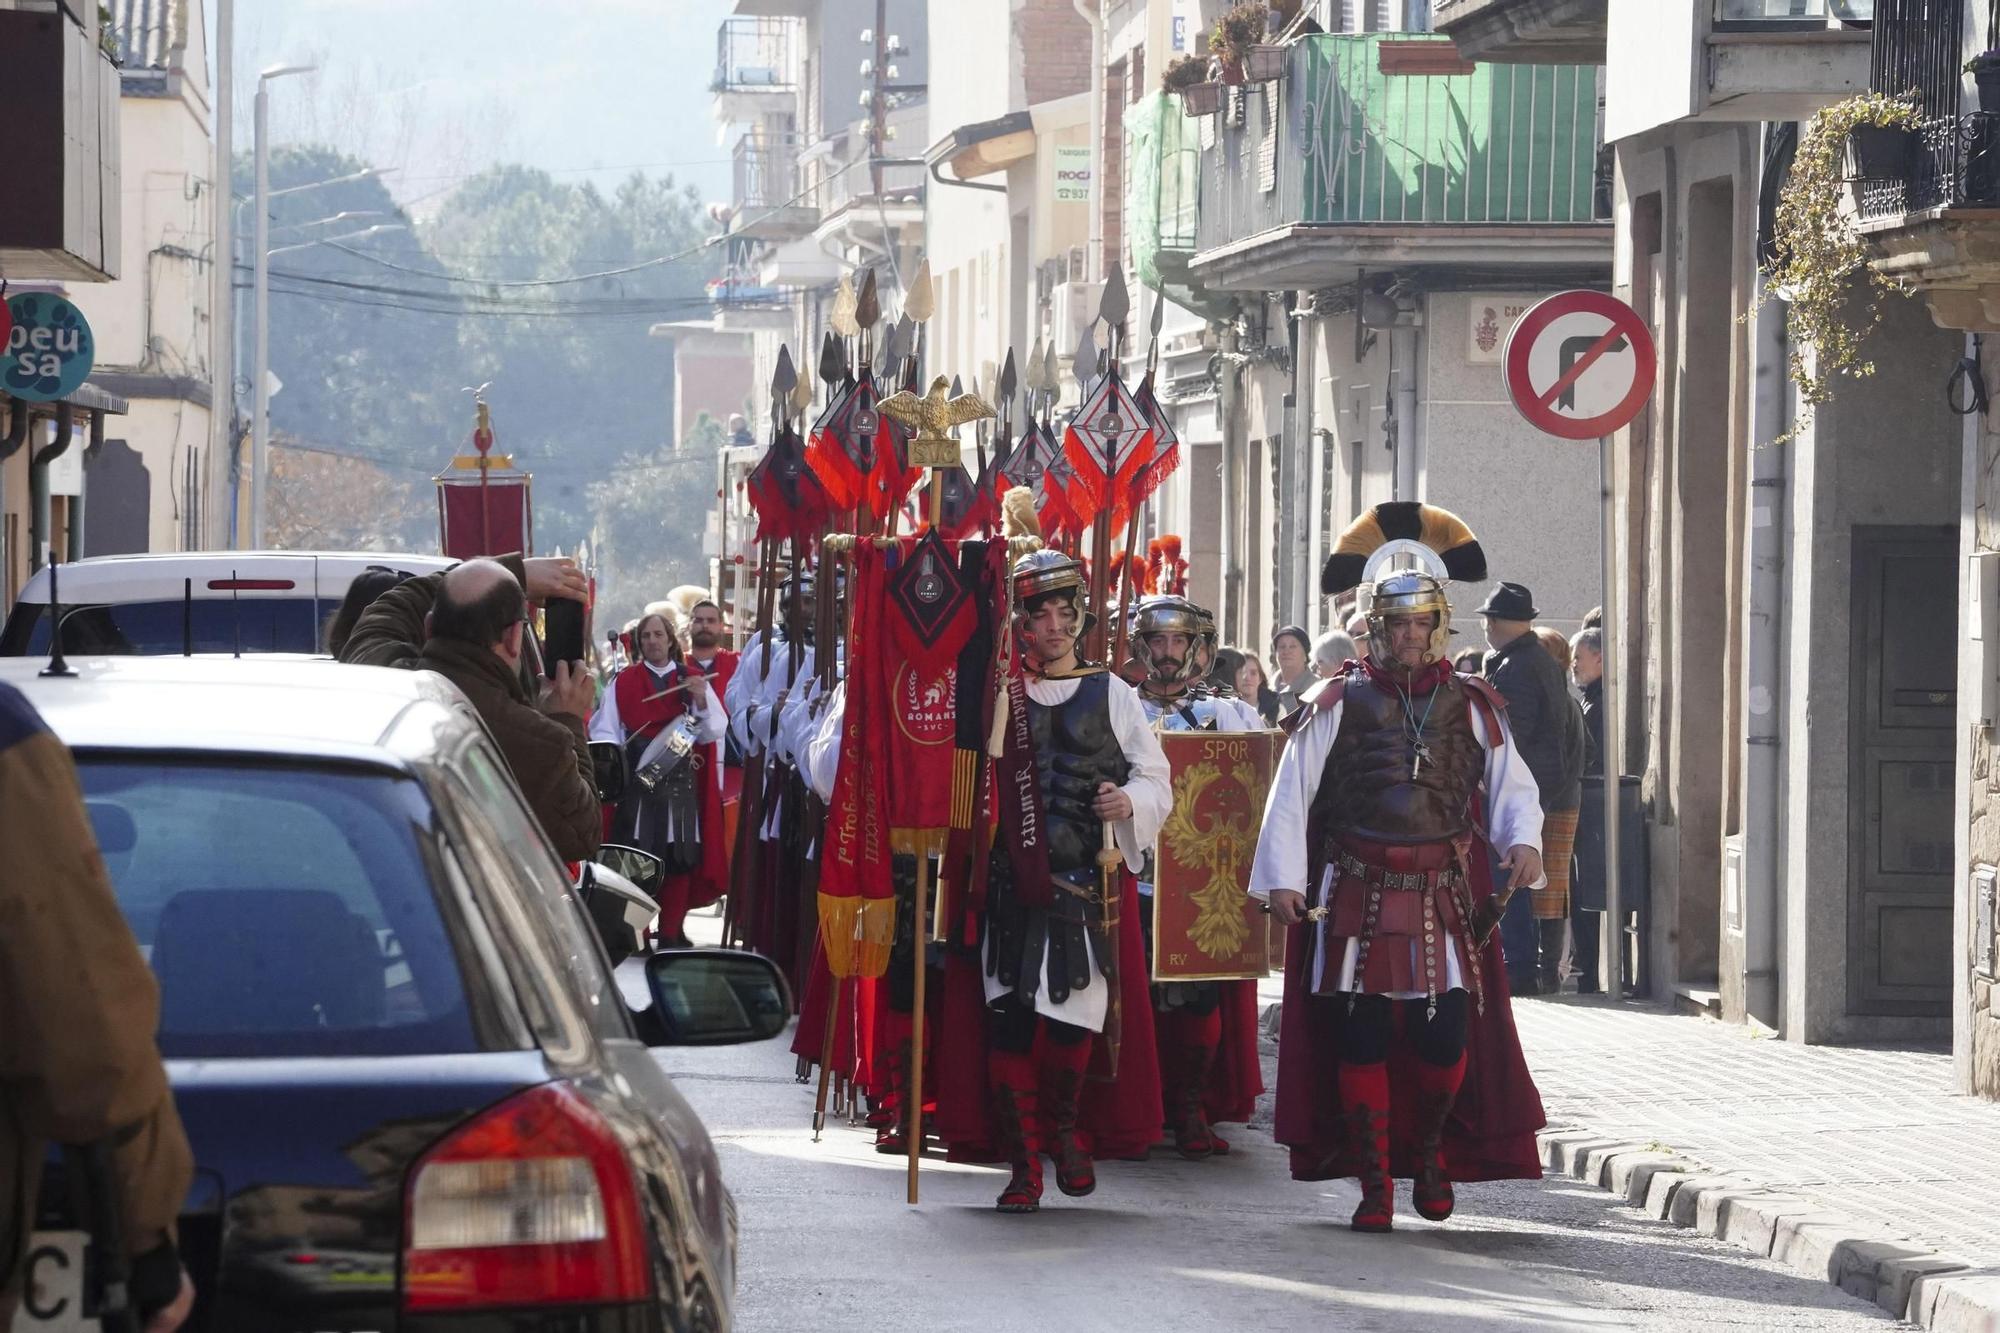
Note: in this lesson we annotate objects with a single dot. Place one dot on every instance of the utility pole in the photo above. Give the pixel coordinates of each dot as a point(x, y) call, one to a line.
point(878, 102)
point(260, 373)
point(222, 280)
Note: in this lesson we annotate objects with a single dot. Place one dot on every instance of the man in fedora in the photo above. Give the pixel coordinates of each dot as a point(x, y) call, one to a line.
point(1540, 710)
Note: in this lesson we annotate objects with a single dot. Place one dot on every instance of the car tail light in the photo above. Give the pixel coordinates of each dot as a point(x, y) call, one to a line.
point(251, 585)
point(531, 1203)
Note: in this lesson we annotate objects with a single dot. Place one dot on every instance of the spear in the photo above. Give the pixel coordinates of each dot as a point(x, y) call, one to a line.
point(1132, 522)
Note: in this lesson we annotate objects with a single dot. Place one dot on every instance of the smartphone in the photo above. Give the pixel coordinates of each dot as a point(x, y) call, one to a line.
point(562, 626)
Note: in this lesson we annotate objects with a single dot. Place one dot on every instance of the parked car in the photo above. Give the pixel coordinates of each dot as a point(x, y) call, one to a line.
point(415, 1094)
point(196, 602)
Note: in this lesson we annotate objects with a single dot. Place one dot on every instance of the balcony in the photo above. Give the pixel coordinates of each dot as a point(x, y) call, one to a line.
point(767, 202)
point(1731, 61)
point(1525, 32)
point(1354, 164)
point(756, 68)
point(60, 205)
point(1934, 224)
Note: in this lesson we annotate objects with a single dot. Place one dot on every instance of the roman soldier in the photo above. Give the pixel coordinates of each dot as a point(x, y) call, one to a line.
point(1397, 1049)
point(1092, 782)
point(1194, 1022)
point(668, 722)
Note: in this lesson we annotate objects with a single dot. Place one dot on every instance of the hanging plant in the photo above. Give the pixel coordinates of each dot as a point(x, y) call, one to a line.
point(1238, 30)
point(1184, 72)
point(1817, 251)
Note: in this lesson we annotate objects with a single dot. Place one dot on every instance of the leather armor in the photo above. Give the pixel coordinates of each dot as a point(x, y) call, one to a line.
point(1373, 785)
point(1076, 748)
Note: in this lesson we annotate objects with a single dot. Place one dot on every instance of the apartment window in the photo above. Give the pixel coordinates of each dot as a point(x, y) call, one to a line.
point(1136, 85)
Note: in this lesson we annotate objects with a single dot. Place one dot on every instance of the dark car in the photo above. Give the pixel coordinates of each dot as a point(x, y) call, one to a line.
point(415, 1093)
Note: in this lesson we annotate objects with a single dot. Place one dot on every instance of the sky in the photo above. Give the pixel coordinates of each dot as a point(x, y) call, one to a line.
point(585, 89)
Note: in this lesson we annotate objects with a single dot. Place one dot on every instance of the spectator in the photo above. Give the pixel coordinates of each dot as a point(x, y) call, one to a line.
point(1556, 644)
point(1291, 654)
point(77, 1062)
point(1469, 660)
point(1586, 914)
point(1549, 732)
point(470, 625)
point(369, 584)
point(1331, 651)
point(1357, 627)
point(1227, 667)
point(1255, 689)
point(739, 430)
point(1594, 618)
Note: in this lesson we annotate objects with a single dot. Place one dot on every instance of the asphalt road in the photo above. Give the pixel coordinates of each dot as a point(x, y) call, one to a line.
point(829, 1243)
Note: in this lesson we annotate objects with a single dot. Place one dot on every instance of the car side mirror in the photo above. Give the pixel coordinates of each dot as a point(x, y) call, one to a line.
point(642, 868)
point(716, 997)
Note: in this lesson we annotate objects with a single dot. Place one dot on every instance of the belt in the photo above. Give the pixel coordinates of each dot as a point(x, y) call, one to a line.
point(1413, 881)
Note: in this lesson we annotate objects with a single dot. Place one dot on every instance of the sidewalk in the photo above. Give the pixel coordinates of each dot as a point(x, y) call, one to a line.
point(1857, 1164)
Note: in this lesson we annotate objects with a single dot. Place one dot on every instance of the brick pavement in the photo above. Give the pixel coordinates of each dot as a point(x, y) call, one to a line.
point(1874, 1134)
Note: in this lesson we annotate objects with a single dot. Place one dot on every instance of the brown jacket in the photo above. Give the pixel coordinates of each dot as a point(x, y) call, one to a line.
point(80, 1006)
point(548, 752)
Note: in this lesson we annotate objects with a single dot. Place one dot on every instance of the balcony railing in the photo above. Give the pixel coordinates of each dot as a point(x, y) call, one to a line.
point(1953, 158)
point(756, 55)
point(766, 171)
point(1792, 13)
point(1347, 142)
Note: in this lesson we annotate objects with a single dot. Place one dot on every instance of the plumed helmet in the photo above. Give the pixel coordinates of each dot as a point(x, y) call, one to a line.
point(1165, 614)
point(1039, 573)
point(1408, 551)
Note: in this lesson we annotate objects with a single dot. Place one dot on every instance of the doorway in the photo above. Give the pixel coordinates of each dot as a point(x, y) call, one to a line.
point(1902, 707)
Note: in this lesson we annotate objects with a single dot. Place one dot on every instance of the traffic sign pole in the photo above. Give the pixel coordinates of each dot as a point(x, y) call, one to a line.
point(1580, 365)
point(1612, 941)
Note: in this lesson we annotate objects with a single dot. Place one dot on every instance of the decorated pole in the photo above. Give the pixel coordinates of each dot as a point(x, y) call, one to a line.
point(932, 417)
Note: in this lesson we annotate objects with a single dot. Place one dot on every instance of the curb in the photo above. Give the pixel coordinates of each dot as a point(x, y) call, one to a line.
point(1934, 1291)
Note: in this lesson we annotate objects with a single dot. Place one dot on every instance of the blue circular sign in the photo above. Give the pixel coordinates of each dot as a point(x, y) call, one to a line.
point(49, 351)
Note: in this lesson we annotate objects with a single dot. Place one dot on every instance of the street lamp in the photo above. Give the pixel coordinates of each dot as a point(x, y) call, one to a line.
point(260, 394)
point(331, 240)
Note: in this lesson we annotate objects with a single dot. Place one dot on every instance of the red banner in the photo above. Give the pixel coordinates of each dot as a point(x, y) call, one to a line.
point(1206, 927)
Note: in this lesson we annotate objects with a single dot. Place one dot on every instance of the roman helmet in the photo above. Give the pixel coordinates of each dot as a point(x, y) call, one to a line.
point(1039, 573)
point(1166, 614)
point(1408, 552)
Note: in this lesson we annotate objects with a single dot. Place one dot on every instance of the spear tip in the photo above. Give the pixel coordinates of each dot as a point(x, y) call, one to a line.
point(868, 307)
point(1116, 303)
point(921, 301)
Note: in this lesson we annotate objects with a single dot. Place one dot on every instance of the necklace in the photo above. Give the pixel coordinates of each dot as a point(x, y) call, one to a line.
point(1414, 727)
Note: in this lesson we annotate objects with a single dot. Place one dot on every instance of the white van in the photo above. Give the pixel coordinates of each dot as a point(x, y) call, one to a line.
point(196, 602)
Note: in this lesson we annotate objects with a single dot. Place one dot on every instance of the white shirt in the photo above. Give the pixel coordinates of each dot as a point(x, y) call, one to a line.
point(1151, 790)
point(819, 756)
point(1513, 811)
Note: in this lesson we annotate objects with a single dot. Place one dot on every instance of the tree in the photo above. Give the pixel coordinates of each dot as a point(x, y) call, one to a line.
point(650, 516)
point(336, 502)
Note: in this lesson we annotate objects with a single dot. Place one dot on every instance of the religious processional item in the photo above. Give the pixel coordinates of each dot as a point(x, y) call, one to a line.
point(485, 505)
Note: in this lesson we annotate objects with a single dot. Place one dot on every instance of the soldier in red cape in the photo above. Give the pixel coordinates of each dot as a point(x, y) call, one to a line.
point(1207, 1030)
point(668, 721)
point(1058, 987)
point(1397, 1055)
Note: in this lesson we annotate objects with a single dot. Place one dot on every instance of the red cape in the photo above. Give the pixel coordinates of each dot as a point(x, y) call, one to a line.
point(1118, 1119)
point(1491, 1133)
point(1237, 1079)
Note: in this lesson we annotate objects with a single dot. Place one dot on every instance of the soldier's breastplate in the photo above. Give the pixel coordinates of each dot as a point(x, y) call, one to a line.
point(1186, 714)
point(1076, 748)
point(1380, 792)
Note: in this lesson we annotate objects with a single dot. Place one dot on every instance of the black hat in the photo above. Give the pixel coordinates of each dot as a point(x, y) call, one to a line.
point(1510, 601)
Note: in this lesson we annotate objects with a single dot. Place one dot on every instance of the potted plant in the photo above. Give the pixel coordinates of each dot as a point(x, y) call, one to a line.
point(1985, 71)
point(1235, 33)
point(1881, 152)
point(1192, 80)
point(1817, 254)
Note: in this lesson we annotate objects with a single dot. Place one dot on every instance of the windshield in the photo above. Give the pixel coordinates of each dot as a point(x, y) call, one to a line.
point(157, 629)
point(285, 911)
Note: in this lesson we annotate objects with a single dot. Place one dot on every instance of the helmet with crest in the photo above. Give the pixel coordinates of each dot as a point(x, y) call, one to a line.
point(1408, 553)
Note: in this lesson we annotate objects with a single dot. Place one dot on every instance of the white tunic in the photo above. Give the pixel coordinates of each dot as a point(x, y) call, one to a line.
point(1150, 788)
point(1513, 818)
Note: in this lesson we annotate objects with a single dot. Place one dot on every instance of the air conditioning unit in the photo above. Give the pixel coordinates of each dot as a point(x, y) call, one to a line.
point(1072, 306)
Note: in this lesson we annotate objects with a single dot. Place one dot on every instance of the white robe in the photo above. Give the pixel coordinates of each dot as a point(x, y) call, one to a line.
point(1150, 787)
point(1513, 818)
